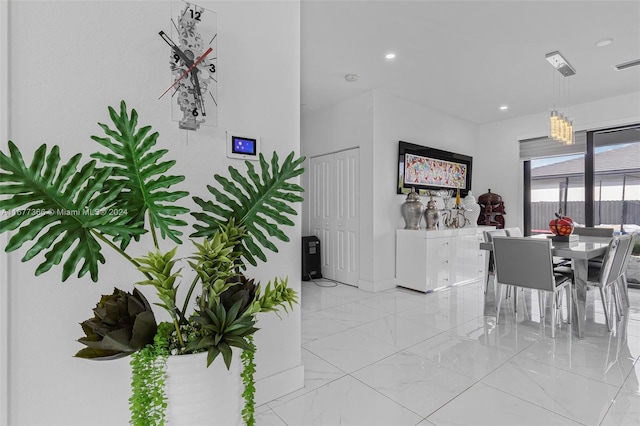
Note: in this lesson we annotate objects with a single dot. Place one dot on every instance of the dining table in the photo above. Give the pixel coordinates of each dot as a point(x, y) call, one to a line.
point(579, 251)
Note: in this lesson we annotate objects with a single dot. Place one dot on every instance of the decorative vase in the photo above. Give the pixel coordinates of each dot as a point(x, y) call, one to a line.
point(472, 208)
point(431, 215)
point(412, 210)
point(201, 395)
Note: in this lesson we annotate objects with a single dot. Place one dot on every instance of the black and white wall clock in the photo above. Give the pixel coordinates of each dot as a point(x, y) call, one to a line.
point(193, 63)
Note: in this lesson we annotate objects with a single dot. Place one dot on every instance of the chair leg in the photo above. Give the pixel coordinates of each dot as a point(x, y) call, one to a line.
point(625, 288)
point(559, 297)
point(604, 307)
point(542, 302)
point(554, 305)
point(498, 300)
point(515, 299)
point(617, 298)
point(569, 302)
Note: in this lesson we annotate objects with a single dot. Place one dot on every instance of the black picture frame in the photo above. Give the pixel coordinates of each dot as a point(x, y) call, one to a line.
point(425, 168)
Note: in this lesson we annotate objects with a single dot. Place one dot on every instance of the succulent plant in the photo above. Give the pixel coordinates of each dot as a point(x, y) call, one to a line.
point(224, 322)
point(123, 324)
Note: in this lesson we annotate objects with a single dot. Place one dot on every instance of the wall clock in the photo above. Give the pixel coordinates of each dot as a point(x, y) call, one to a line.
point(193, 63)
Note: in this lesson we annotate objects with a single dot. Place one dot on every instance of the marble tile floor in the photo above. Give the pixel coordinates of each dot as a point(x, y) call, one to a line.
point(401, 357)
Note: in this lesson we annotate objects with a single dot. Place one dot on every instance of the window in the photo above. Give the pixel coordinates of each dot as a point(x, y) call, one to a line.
point(596, 182)
point(557, 185)
point(616, 183)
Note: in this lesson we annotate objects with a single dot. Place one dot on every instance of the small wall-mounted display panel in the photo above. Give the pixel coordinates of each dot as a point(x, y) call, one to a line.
point(242, 146)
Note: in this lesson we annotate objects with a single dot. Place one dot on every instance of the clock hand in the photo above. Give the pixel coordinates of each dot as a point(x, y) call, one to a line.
point(193, 66)
point(176, 49)
point(196, 83)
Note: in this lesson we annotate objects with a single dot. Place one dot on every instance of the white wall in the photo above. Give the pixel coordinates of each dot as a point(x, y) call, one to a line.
point(68, 62)
point(376, 121)
point(4, 288)
point(498, 166)
point(348, 124)
point(396, 119)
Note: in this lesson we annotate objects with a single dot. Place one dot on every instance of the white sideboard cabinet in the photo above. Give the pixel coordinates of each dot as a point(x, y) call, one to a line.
point(427, 260)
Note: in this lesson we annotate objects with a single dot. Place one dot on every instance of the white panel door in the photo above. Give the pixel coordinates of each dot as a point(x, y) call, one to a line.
point(335, 213)
point(320, 208)
point(347, 215)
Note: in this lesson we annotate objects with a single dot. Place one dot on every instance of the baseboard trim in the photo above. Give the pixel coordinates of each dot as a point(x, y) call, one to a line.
point(375, 286)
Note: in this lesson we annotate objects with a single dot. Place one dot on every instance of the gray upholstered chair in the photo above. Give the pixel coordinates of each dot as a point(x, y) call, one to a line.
point(514, 232)
point(585, 231)
point(527, 263)
point(623, 279)
point(606, 277)
point(488, 238)
point(588, 231)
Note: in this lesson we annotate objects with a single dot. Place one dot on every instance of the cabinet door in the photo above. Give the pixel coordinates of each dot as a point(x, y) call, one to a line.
point(411, 255)
point(438, 258)
point(468, 252)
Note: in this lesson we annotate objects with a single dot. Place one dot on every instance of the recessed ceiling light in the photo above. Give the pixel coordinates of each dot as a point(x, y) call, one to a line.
point(390, 55)
point(604, 42)
point(504, 107)
point(351, 77)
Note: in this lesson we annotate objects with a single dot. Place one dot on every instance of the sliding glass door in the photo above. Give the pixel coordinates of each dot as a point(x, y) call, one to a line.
point(616, 182)
point(596, 182)
point(556, 185)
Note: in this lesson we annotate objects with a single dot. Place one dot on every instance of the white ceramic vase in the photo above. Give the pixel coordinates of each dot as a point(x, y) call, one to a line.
point(201, 395)
point(472, 209)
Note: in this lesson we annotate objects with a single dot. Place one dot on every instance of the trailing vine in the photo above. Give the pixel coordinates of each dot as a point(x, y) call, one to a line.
point(248, 370)
point(148, 400)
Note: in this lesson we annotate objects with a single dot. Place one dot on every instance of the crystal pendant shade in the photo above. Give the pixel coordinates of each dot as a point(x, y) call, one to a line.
point(561, 128)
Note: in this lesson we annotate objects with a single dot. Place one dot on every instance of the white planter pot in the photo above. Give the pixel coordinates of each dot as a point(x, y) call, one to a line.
point(197, 395)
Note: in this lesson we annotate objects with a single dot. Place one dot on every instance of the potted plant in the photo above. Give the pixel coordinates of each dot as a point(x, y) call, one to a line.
point(70, 211)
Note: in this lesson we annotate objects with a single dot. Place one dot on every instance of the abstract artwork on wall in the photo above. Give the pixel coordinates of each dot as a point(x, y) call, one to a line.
point(423, 168)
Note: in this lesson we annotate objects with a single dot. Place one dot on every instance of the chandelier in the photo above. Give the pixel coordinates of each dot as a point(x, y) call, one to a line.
point(560, 125)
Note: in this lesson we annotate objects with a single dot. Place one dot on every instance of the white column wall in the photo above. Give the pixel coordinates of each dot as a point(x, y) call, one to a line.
point(497, 164)
point(68, 61)
point(4, 288)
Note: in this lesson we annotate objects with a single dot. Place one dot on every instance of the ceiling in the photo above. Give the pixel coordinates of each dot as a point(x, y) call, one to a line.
point(466, 58)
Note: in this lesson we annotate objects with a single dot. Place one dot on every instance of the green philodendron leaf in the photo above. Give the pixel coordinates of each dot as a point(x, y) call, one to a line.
point(136, 166)
point(58, 206)
point(259, 203)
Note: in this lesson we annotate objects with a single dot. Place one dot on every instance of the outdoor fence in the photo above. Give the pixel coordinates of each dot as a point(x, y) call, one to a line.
point(606, 212)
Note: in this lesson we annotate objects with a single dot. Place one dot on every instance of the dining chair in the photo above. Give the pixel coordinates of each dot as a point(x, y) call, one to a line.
point(623, 278)
point(585, 231)
point(514, 232)
point(605, 277)
point(588, 231)
point(619, 263)
point(488, 238)
point(527, 263)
